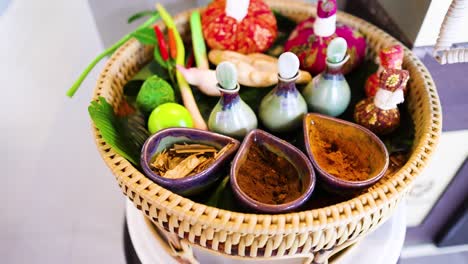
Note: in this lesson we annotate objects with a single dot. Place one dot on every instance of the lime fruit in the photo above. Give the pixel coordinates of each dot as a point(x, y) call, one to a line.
point(169, 115)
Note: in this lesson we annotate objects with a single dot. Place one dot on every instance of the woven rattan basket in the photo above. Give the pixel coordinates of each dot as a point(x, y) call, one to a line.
point(315, 234)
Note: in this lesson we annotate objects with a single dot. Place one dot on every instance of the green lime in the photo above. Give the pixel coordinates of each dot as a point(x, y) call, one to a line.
point(169, 115)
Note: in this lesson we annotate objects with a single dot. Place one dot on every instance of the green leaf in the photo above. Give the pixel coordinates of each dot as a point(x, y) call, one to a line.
point(105, 53)
point(126, 135)
point(145, 36)
point(141, 14)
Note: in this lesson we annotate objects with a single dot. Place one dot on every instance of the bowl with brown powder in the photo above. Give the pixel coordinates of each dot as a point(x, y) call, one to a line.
point(347, 156)
point(270, 175)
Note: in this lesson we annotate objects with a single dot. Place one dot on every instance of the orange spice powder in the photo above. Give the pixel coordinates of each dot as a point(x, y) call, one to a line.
point(338, 158)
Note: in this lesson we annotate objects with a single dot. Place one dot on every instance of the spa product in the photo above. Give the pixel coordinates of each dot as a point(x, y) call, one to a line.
point(282, 109)
point(231, 116)
point(329, 93)
point(310, 39)
point(255, 70)
point(380, 114)
point(244, 26)
point(391, 58)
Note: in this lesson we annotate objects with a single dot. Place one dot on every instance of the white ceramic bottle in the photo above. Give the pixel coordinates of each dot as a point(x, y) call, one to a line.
point(231, 116)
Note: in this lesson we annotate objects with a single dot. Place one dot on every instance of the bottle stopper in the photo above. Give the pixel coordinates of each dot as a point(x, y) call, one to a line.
point(336, 50)
point(226, 74)
point(288, 65)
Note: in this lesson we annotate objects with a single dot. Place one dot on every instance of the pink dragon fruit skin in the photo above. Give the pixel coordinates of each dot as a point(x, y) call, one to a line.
point(311, 49)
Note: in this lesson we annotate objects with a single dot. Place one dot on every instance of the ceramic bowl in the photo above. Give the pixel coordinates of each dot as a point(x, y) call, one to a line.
point(361, 139)
point(283, 149)
point(193, 184)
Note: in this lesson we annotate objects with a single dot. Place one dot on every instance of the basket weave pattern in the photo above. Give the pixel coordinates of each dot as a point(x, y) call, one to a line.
point(253, 235)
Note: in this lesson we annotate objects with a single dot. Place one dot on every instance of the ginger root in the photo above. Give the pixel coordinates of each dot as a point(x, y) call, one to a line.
point(255, 69)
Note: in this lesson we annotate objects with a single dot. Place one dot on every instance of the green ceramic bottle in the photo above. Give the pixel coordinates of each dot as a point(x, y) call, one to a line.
point(329, 93)
point(231, 116)
point(282, 109)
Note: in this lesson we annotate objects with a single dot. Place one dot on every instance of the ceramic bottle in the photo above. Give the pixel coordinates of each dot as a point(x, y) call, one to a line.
point(328, 93)
point(282, 109)
point(231, 116)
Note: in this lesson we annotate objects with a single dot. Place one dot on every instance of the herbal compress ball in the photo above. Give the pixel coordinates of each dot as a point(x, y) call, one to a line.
point(154, 92)
point(239, 25)
point(379, 121)
point(391, 58)
point(380, 114)
point(310, 38)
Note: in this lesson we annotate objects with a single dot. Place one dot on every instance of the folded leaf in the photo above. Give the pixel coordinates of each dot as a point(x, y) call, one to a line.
point(126, 135)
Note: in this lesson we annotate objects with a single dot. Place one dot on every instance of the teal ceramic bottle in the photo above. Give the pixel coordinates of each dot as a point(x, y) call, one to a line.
point(231, 116)
point(329, 93)
point(282, 109)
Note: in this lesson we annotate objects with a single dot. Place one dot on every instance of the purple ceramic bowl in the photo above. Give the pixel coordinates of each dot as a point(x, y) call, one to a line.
point(365, 139)
point(281, 148)
point(192, 184)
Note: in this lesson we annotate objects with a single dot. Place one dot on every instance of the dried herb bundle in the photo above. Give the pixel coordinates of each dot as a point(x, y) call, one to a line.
point(182, 160)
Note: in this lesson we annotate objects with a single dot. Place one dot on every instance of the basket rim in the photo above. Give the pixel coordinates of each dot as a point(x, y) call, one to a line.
point(308, 220)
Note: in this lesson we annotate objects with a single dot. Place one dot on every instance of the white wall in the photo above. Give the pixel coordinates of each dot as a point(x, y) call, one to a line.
point(420, 20)
point(59, 201)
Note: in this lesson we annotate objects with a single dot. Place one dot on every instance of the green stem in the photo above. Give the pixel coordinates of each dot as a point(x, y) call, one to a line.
point(198, 42)
point(105, 53)
point(184, 87)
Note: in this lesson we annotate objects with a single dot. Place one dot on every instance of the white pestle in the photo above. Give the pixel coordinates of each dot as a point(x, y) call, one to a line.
point(288, 65)
point(226, 74)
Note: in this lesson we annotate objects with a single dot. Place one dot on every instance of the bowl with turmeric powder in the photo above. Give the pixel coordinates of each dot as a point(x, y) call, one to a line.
point(186, 160)
point(270, 175)
point(346, 156)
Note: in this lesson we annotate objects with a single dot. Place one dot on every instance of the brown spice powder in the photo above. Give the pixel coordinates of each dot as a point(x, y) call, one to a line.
point(268, 178)
point(337, 158)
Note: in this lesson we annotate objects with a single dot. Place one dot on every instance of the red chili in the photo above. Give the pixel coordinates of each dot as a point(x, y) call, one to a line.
point(190, 61)
point(172, 44)
point(161, 42)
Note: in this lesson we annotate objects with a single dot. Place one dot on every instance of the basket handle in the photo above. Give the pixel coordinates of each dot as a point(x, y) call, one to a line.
point(443, 51)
